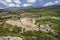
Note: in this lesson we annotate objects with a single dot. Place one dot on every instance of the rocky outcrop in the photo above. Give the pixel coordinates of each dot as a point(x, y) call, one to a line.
point(29, 24)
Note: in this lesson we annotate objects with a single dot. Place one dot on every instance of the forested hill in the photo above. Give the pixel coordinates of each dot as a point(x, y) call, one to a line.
point(48, 8)
point(44, 11)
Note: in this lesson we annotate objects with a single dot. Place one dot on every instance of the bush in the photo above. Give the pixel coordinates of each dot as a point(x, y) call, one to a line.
point(16, 29)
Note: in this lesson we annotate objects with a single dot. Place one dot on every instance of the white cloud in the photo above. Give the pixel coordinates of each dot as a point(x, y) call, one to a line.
point(31, 1)
point(17, 1)
point(56, 1)
point(26, 5)
point(8, 1)
point(50, 3)
point(40, 0)
point(1, 1)
point(13, 5)
point(10, 4)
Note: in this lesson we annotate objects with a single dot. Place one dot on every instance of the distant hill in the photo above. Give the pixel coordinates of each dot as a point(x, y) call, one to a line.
point(55, 8)
point(2, 10)
point(44, 11)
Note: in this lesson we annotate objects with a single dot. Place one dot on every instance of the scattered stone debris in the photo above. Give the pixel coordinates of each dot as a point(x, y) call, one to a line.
point(10, 38)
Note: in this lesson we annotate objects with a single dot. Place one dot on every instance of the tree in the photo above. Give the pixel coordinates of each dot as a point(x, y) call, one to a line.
point(16, 29)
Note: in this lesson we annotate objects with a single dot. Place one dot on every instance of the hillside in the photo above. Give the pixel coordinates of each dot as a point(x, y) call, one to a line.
point(54, 7)
point(44, 11)
point(31, 23)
